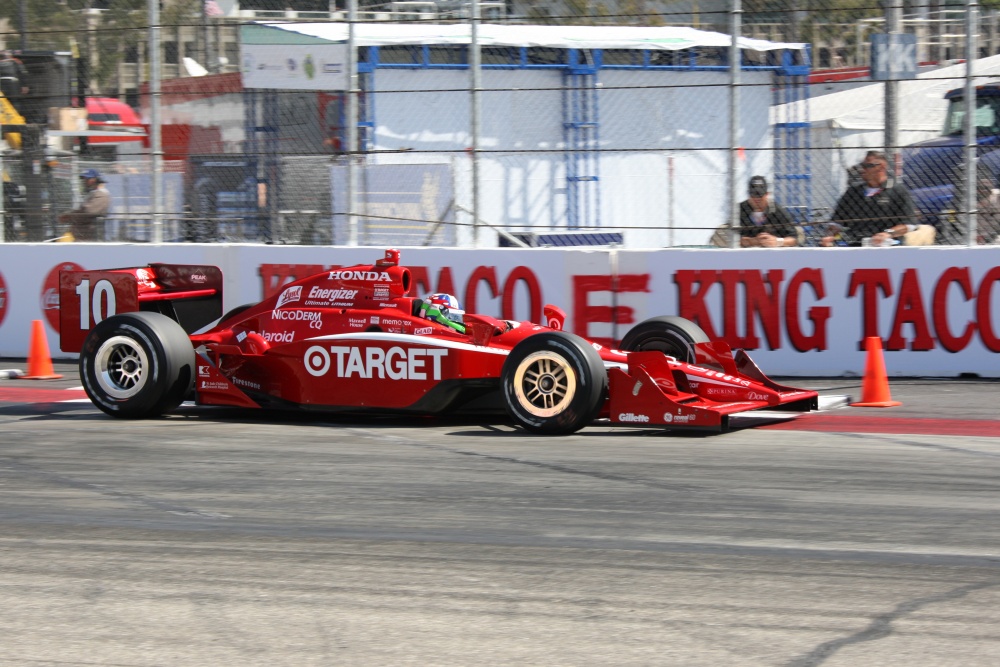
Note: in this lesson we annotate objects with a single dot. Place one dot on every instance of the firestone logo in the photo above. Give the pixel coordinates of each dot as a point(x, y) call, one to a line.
point(289, 295)
point(396, 363)
point(370, 276)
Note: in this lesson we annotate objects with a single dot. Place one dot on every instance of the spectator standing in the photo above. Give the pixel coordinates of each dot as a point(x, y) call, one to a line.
point(13, 79)
point(763, 222)
point(87, 221)
point(878, 208)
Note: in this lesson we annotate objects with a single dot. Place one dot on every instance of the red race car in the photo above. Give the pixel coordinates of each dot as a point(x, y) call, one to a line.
point(355, 340)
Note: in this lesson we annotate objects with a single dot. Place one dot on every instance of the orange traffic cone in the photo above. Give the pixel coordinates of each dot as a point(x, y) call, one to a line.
point(875, 384)
point(39, 361)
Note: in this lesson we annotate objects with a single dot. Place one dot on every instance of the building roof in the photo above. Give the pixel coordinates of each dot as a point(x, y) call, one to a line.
point(668, 38)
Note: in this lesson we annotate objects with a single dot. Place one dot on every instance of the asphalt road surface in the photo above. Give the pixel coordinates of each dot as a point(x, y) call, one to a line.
point(856, 536)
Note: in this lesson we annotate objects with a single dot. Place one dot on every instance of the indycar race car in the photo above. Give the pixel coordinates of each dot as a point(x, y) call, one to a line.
point(354, 340)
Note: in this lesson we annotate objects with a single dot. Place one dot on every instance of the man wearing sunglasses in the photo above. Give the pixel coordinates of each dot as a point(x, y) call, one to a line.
point(878, 209)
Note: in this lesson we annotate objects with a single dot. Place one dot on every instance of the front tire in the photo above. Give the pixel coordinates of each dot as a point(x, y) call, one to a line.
point(674, 336)
point(554, 383)
point(137, 365)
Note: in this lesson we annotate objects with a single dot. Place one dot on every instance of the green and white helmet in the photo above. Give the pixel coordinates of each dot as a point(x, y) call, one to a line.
point(444, 309)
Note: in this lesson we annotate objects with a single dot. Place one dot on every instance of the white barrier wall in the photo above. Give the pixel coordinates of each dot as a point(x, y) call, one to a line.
point(802, 311)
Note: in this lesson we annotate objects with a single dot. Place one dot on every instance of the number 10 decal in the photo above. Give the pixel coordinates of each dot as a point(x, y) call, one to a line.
point(103, 291)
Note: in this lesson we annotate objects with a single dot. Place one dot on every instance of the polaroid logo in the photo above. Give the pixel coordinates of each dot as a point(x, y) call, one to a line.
point(289, 295)
point(369, 276)
point(279, 337)
point(632, 417)
point(368, 363)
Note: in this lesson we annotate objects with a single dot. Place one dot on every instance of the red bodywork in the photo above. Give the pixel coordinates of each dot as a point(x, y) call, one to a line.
point(108, 113)
point(348, 340)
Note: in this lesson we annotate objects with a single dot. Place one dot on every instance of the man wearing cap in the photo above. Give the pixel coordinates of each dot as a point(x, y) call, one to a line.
point(763, 223)
point(13, 79)
point(86, 222)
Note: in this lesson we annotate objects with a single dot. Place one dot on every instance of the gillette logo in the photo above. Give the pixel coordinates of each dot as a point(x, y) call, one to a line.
point(632, 417)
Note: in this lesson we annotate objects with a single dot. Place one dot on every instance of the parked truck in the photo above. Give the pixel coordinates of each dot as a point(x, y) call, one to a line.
point(933, 169)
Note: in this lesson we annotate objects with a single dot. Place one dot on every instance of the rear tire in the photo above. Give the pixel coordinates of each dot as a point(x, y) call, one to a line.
point(137, 365)
point(674, 336)
point(554, 383)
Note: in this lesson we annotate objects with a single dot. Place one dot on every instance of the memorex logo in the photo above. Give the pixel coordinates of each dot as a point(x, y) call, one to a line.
point(396, 363)
point(289, 295)
point(632, 417)
point(371, 276)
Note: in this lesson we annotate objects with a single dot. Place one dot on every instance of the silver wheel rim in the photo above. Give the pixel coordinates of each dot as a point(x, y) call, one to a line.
point(545, 384)
point(121, 367)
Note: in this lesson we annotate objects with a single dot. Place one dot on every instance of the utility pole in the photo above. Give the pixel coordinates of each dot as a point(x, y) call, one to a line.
point(892, 27)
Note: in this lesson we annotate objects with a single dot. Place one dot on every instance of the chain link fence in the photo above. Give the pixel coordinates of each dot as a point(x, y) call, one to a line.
point(590, 130)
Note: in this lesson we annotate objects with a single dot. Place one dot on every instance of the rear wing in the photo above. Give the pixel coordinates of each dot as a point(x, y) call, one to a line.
point(187, 293)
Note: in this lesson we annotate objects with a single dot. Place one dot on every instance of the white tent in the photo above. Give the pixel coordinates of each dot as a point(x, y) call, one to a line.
point(657, 170)
point(844, 125)
point(671, 38)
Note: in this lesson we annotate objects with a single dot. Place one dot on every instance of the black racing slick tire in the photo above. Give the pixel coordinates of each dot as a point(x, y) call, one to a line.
point(674, 336)
point(236, 311)
point(554, 383)
point(137, 365)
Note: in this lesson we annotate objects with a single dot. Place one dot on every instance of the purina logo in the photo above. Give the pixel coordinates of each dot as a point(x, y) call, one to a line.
point(289, 295)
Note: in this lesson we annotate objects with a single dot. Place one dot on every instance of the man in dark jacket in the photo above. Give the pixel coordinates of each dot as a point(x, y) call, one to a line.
point(878, 208)
point(764, 223)
point(87, 221)
point(13, 79)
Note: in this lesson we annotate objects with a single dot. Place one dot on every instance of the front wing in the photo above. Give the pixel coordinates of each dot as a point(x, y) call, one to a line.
point(655, 390)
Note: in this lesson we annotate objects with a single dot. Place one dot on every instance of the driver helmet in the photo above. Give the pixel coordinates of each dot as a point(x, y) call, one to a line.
point(444, 309)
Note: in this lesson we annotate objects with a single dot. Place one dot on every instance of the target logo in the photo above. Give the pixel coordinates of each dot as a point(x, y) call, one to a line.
point(369, 363)
point(317, 361)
